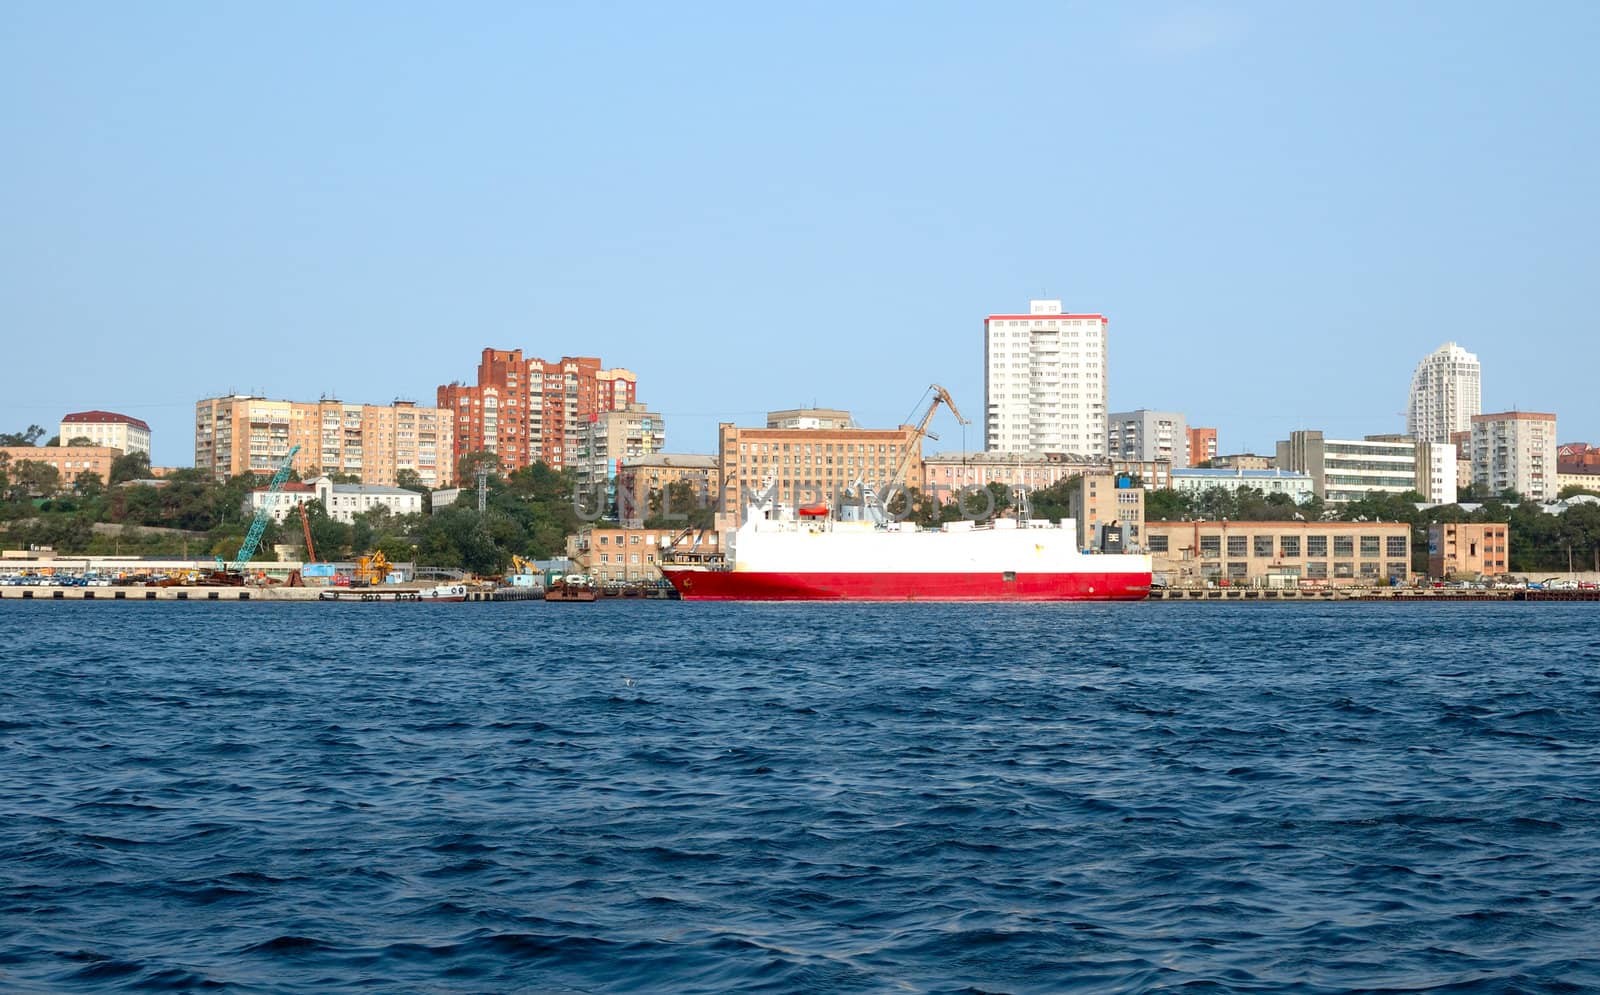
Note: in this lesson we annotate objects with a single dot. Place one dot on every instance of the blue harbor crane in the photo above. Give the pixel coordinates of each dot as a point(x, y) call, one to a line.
point(258, 525)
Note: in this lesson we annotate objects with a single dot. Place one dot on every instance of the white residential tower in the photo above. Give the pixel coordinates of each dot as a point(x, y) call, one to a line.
point(1044, 381)
point(1446, 391)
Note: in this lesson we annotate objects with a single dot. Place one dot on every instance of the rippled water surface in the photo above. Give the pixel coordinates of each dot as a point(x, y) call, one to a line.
point(683, 797)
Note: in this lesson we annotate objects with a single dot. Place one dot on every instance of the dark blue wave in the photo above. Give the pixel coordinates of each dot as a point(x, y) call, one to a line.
point(645, 797)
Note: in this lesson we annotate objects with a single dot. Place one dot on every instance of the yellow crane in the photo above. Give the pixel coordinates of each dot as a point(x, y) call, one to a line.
point(373, 569)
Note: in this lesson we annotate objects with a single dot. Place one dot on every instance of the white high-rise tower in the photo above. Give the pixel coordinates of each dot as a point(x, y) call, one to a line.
point(1044, 381)
point(1446, 391)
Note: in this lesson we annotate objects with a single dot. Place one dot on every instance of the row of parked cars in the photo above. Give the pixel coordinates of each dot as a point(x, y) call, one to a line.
point(1519, 584)
point(55, 580)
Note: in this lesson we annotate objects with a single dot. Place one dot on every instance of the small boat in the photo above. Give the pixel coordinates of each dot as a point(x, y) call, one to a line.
point(439, 592)
point(572, 587)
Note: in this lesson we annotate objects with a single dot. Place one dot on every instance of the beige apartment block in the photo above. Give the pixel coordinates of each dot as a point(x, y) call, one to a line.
point(1467, 549)
point(1589, 480)
point(241, 434)
point(1104, 498)
point(641, 476)
point(615, 436)
point(1280, 554)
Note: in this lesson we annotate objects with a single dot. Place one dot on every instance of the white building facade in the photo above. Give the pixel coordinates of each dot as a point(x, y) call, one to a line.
point(1044, 381)
point(1345, 470)
point(1436, 472)
point(342, 502)
point(106, 428)
point(1446, 391)
point(1197, 481)
point(1515, 451)
point(1148, 435)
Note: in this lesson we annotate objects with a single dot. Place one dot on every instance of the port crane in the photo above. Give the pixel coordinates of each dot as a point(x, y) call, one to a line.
point(258, 525)
point(914, 444)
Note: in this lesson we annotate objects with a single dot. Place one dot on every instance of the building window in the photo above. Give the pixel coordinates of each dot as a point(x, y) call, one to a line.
point(1238, 571)
point(1291, 545)
point(1370, 546)
point(1370, 570)
point(1397, 545)
point(1210, 547)
point(1316, 571)
point(1316, 545)
point(1158, 544)
point(1344, 570)
point(1344, 546)
point(1261, 546)
point(1237, 545)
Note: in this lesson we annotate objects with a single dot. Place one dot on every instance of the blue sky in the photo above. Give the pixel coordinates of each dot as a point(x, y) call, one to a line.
point(1280, 207)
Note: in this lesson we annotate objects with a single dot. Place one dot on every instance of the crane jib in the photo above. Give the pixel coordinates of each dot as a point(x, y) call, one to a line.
point(258, 524)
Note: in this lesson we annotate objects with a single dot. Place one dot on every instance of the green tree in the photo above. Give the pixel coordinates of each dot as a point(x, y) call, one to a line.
point(331, 537)
point(130, 466)
point(1167, 506)
point(680, 506)
point(467, 466)
point(79, 440)
point(31, 478)
point(1573, 490)
point(27, 437)
point(88, 486)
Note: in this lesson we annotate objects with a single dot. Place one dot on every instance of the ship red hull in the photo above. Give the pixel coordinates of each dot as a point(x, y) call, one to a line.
point(731, 585)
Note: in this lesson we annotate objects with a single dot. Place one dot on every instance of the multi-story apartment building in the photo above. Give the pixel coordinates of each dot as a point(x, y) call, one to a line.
point(1045, 381)
point(1274, 554)
point(1198, 480)
point(524, 409)
point(611, 438)
point(1202, 445)
point(1515, 451)
point(243, 434)
point(1446, 391)
point(811, 464)
point(641, 476)
point(70, 462)
point(1467, 549)
point(106, 428)
point(1345, 470)
point(1148, 435)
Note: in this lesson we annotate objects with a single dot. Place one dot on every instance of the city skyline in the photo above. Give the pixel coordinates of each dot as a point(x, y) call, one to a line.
point(1277, 211)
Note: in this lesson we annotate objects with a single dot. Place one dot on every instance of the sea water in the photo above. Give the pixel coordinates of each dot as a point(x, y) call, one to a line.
point(661, 796)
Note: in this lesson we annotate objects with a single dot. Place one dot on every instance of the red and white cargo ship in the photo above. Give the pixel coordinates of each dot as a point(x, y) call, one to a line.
point(801, 558)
